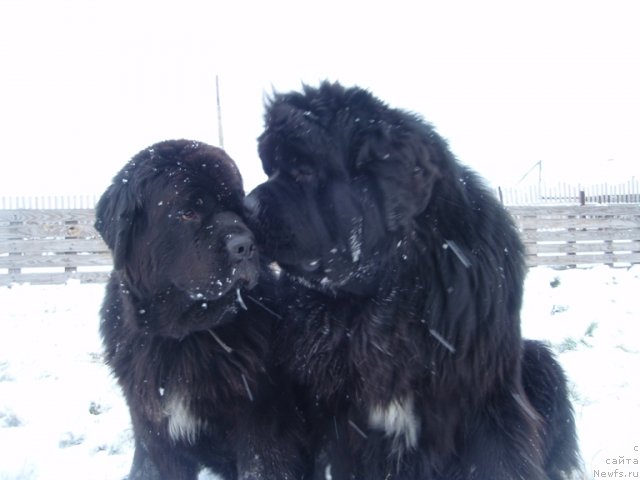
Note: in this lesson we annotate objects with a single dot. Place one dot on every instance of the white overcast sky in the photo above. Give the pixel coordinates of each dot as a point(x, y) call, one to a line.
point(85, 85)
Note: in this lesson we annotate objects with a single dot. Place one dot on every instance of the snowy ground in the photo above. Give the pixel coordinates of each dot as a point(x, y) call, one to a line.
point(62, 416)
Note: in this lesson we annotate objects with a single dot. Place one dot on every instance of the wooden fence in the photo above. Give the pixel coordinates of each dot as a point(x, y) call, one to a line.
point(577, 235)
point(51, 246)
point(570, 194)
point(55, 245)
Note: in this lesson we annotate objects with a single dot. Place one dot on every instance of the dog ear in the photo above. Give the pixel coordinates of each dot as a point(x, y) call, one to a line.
point(115, 214)
point(424, 176)
point(404, 172)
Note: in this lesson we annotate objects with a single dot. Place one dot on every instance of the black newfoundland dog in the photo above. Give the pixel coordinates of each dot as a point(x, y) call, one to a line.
point(192, 360)
point(403, 286)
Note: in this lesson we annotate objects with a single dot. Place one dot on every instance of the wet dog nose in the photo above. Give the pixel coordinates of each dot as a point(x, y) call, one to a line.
point(241, 246)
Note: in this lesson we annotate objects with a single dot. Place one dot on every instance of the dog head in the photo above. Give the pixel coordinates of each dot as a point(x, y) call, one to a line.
point(347, 178)
point(172, 219)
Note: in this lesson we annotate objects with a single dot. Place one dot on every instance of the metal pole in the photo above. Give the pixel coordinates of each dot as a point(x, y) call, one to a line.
point(220, 137)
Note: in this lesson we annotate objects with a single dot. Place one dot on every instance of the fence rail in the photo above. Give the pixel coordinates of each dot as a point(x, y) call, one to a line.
point(578, 235)
point(55, 245)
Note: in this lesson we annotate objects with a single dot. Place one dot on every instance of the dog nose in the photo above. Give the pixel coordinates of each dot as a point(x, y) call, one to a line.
point(240, 246)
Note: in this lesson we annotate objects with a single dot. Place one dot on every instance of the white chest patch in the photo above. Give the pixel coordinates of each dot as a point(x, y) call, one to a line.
point(183, 425)
point(399, 421)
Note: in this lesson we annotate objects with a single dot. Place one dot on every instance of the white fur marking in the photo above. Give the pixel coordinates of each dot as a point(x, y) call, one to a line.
point(327, 473)
point(397, 420)
point(183, 426)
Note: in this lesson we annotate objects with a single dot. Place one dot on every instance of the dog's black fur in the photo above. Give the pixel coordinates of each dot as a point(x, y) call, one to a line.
point(403, 287)
point(546, 385)
point(193, 363)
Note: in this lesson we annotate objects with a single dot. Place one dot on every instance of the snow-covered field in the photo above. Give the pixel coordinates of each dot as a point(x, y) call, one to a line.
point(62, 416)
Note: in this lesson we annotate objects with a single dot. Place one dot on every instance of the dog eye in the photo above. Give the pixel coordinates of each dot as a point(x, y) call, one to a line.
point(303, 174)
point(188, 214)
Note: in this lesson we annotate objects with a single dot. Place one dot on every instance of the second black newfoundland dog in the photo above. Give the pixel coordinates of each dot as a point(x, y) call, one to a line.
point(403, 286)
point(191, 354)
